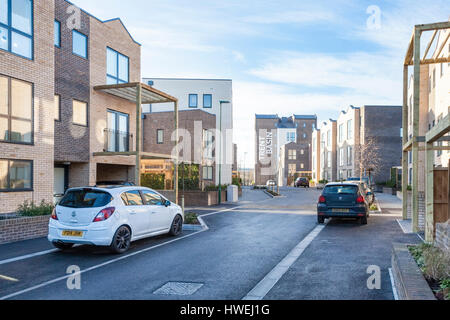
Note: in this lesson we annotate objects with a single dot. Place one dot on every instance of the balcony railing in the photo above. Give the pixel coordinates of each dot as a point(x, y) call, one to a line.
point(117, 141)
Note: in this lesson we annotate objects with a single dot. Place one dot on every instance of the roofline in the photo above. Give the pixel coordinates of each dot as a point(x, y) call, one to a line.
point(382, 106)
point(190, 79)
point(105, 21)
point(180, 111)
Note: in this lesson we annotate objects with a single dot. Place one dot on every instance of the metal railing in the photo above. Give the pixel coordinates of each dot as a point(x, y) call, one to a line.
point(117, 141)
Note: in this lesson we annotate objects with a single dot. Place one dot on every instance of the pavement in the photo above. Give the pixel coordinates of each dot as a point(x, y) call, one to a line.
point(259, 242)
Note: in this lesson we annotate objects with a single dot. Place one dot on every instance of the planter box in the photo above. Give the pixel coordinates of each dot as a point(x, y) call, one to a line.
point(197, 198)
point(408, 279)
point(23, 228)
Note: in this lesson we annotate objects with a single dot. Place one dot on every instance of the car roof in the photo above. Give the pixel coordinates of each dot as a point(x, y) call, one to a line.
point(347, 183)
point(114, 190)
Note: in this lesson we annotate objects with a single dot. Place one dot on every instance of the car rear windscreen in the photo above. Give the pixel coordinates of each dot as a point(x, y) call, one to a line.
point(340, 190)
point(85, 199)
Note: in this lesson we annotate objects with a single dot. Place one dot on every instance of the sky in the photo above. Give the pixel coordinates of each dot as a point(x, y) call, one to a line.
point(285, 57)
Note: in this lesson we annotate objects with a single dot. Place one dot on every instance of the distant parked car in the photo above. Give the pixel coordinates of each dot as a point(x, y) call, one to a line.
point(112, 216)
point(343, 200)
point(368, 191)
point(302, 182)
point(365, 179)
point(271, 183)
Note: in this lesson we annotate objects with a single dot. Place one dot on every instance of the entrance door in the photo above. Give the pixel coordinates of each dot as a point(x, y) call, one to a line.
point(59, 185)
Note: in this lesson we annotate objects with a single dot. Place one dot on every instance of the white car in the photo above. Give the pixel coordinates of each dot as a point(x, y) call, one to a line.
point(112, 216)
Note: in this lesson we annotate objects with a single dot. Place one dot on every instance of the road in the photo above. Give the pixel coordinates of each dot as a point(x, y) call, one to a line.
point(244, 244)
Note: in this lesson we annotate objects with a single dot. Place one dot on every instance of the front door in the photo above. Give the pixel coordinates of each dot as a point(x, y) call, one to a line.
point(60, 183)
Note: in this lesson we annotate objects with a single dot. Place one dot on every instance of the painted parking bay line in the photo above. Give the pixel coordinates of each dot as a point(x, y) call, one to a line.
point(272, 278)
point(2, 277)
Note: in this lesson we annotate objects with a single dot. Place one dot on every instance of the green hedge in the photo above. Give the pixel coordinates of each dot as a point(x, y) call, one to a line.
point(153, 181)
point(30, 209)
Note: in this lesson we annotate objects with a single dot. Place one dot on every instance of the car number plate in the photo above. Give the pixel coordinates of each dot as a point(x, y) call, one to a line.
point(341, 210)
point(68, 233)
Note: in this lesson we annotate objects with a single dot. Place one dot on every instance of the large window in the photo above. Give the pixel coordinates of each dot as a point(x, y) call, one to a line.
point(79, 113)
point(291, 137)
point(207, 173)
point(350, 129)
point(57, 34)
point(207, 101)
point(193, 101)
point(117, 67)
point(341, 132)
point(292, 154)
point(79, 44)
point(16, 175)
point(118, 132)
point(16, 111)
point(16, 27)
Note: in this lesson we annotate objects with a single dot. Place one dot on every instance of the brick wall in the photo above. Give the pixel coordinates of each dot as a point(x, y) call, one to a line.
point(40, 72)
point(443, 236)
point(23, 228)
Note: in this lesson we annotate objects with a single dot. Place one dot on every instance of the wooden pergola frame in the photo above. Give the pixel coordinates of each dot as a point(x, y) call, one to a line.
point(141, 93)
point(435, 134)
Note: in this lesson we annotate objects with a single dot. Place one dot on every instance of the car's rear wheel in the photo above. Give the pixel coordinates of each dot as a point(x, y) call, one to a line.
point(321, 220)
point(177, 226)
point(363, 220)
point(121, 241)
point(62, 245)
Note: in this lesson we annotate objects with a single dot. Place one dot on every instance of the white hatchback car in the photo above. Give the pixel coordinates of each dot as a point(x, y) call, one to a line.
point(112, 216)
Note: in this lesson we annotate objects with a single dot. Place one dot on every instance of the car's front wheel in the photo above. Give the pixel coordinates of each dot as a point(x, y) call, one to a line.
point(62, 245)
point(121, 241)
point(177, 226)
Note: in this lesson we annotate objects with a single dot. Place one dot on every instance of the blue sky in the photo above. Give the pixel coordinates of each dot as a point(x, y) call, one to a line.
point(285, 57)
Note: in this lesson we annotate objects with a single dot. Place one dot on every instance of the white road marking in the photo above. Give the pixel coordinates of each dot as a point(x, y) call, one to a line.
point(44, 284)
point(272, 278)
point(28, 256)
point(8, 278)
point(394, 289)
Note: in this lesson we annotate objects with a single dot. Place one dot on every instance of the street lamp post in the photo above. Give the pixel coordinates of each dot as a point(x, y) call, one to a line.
point(245, 172)
point(220, 152)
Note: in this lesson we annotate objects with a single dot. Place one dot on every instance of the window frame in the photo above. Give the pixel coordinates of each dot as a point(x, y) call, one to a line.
point(10, 29)
point(87, 114)
point(59, 34)
point(204, 96)
point(116, 131)
point(207, 173)
point(189, 101)
point(59, 107)
point(134, 205)
point(10, 117)
point(9, 190)
point(157, 136)
point(117, 78)
point(87, 44)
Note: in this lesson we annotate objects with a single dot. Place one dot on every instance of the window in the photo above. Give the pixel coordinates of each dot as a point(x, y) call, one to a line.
point(152, 198)
point(118, 132)
point(57, 107)
point(16, 175)
point(434, 78)
point(305, 136)
point(132, 198)
point(160, 136)
point(291, 137)
point(349, 156)
point(292, 168)
point(329, 159)
point(79, 110)
point(341, 157)
point(16, 27)
point(207, 101)
point(193, 101)
point(341, 132)
point(16, 111)
point(302, 152)
point(302, 165)
point(350, 129)
point(79, 44)
point(86, 198)
point(117, 67)
point(329, 138)
point(57, 34)
point(304, 124)
point(207, 144)
point(292, 154)
point(207, 173)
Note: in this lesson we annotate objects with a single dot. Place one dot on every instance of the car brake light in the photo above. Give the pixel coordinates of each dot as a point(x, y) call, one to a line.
point(360, 199)
point(104, 214)
point(54, 216)
point(322, 199)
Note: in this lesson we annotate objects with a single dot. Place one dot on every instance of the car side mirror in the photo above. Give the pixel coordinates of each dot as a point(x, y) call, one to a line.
point(167, 203)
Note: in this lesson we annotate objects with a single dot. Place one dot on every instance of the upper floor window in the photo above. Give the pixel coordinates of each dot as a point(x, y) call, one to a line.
point(57, 34)
point(292, 154)
point(79, 114)
point(57, 107)
point(291, 137)
point(118, 132)
point(117, 67)
point(16, 27)
point(341, 132)
point(16, 111)
point(350, 129)
point(208, 144)
point(193, 101)
point(207, 101)
point(79, 44)
point(160, 136)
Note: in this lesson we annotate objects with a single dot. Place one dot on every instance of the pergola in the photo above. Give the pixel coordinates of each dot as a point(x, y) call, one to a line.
point(141, 93)
point(413, 58)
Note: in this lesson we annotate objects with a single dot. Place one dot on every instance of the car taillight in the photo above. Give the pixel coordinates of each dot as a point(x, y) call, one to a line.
point(322, 199)
point(54, 216)
point(360, 199)
point(104, 214)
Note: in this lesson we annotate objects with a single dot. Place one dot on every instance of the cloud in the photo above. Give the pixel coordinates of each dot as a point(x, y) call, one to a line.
point(238, 56)
point(292, 17)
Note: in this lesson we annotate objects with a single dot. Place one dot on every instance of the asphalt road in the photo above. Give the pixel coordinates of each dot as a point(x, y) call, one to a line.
point(243, 245)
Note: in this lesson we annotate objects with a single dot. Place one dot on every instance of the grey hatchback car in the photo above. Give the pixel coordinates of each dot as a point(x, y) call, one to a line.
point(343, 200)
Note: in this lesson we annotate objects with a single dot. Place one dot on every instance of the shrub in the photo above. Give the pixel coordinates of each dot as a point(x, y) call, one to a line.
point(189, 183)
point(191, 218)
point(153, 181)
point(436, 264)
point(323, 181)
point(30, 209)
point(216, 188)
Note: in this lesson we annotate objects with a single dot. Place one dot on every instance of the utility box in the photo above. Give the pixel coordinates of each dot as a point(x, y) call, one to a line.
point(233, 193)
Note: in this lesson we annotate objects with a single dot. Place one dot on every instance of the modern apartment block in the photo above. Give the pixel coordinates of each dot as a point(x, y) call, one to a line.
point(197, 129)
point(283, 147)
point(328, 150)
point(315, 156)
point(212, 96)
point(348, 141)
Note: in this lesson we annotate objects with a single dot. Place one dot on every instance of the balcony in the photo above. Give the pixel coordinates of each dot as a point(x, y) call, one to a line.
point(117, 141)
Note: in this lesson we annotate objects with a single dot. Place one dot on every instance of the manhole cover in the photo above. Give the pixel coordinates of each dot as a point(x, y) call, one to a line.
point(178, 288)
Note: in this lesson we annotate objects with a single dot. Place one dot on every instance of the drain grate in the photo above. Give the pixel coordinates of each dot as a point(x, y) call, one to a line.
point(179, 288)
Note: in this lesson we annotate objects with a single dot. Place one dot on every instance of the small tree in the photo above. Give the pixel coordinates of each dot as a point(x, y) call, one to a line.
point(368, 156)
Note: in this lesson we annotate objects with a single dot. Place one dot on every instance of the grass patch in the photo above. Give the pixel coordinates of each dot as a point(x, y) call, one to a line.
point(30, 209)
point(374, 207)
point(191, 218)
point(435, 266)
point(273, 193)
